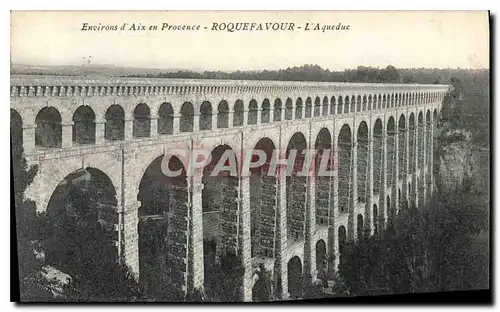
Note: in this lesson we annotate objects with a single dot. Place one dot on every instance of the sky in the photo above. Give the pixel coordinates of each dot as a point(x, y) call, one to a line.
point(405, 39)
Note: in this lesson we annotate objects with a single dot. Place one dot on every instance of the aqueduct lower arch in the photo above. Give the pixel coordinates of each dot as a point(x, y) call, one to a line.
point(137, 121)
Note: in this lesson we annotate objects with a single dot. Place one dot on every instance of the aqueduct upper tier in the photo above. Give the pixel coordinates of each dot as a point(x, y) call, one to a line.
point(379, 136)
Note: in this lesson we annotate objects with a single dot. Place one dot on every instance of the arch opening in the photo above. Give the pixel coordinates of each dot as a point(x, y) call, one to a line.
point(345, 168)
point(187, 118)
point(277, 110)
point(391, 153)
point(82, 231)
point(296, 188)
point(295, 278)
point(48, 132)
point(332, 106)
point(378, 156)
point(412, 143)
point(265, 112)
point(114, 129)
point(84, 125)
point(221, 224)
point(239, 114)
point(325, 107)
point(323, 163)
point(205, 116)
point(402, 147)
point(16, 132)
point(317, 107)
point(298, 109)
point(163, 228)
point(263, 204)
point(360, 226)
point(321, 259)
point(362, 162)
point(142, 121)
point(253, 111)
point(308, 113)
point(288, 109)
point(223, 115)
point(346, 105)
point(165, 119)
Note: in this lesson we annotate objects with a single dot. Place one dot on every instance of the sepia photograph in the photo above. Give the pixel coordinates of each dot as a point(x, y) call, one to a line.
point(250, 156)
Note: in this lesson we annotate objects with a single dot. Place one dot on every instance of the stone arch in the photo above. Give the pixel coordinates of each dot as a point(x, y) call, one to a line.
point(296, 188)
point(378, 155)
point(412, 142)
point(142, 121)
point(391, 152)
point(384, 101)
point(402, 147)
point(298, 108)
point(379, 101)
point(114, 129)
point(253, 110)
point(340, 105)
point(360, 226)
point(428, 147)
point(321, 258)
point(325, 106)
point(317, 107)
point(83, 214)
point(401, 200)
point(346, 105)
point(434, 115)
point(372, 102)
point(16, 130)
point(84, 125)
point(358, 103)
point(262, 290)
point(263, 203)
point(353, 104)
point(277, 110)
point(163, 209)
point(165, 119)
point(342, 238)
point(223, 115)
point(205, 116)
point(420, 140)
point(362, 161)
point(239, 114)
point(390, 209)
point(186, 124)
point(295, 278)
point(288, 109)
point(365, 101)
point(220, 212)
point(344, 167)
point(323, 165)
point(332, 106)
point(308, 113)
point(265, 112)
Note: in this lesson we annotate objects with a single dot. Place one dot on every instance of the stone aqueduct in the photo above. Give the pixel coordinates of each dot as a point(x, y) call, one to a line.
point(380, 135)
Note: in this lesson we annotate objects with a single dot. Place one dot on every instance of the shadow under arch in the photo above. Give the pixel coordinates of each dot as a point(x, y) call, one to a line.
point(83, 234)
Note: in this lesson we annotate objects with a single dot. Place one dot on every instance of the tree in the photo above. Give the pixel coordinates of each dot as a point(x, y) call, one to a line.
point(389, 74)
point(223, 279)
point(262, 291)
point(31, 285)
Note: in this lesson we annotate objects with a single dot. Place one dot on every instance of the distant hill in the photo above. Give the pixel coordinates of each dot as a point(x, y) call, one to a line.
point(93, 70)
